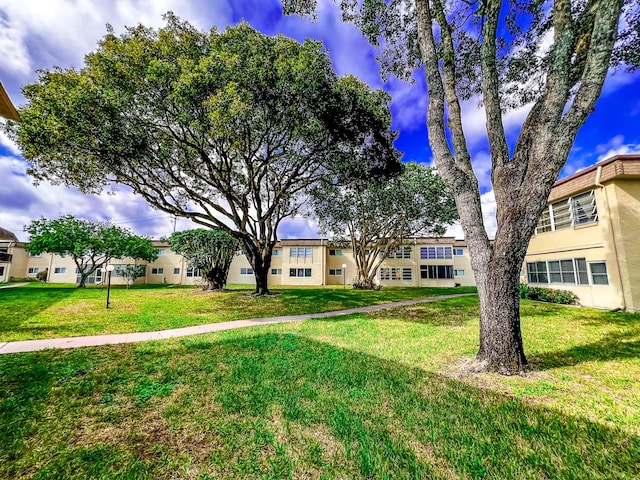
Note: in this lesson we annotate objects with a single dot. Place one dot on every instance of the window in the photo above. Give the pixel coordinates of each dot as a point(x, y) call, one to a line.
point(1, 271)
point(576, 210)
point(157, 271)
point(4, 249)
point(176, 271)
point(561, 215)
point(393, 273)
point(458, 251)
point(276, 271)
point(276, 252)
point(300, 252)
point(33, 270)
point(581, 270)
point(335, 272)
point(537, 272)
point(407, 274)
point(246, 271)
point(436, 271)
point(570, 271)
point(583, 208)
point(60, 270)
point(193, 272)
point(162, 252)
point(299, 272)
point(35, 255)
point(544, 224)
point(436, 253)
point(458, 273)
point(401, 252)
point(599, 273)
point(335, 252)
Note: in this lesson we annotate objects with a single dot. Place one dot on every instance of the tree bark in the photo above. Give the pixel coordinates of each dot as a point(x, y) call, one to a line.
point(501, 348)
point(259, 257)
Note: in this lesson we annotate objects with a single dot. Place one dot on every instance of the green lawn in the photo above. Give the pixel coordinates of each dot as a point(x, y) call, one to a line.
point(381, 395)
point(41, 310)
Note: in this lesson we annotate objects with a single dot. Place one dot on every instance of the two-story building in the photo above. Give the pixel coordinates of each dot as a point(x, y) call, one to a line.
point(588, 239)
point(419, 262)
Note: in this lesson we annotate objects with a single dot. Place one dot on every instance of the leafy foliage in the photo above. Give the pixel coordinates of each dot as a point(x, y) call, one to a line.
point(377, 217)
point(226, 129)
point(210, 251)
point(130, 272)
point(550, 295)
point(90, 244)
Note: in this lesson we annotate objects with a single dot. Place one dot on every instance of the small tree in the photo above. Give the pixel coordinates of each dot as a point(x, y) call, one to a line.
point(377, 217)
point(137, 248)
point(131, 272)
point(90, 244)
point(210, 251)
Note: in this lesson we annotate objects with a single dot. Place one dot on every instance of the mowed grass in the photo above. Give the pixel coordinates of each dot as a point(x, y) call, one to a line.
point(381, 395)
point(42, 310)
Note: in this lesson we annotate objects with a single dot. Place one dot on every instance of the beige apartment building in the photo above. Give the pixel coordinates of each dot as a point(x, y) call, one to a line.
point(588, 239)
point(442, 262)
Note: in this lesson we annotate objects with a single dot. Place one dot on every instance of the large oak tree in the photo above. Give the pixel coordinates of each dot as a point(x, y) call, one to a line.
point(226, 129)
point(496, 49)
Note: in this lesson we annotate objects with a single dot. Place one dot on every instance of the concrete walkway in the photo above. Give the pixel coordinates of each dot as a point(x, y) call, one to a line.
point(11, 285)
point(95, 340)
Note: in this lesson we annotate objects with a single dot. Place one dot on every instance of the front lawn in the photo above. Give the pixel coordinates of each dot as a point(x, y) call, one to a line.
point(381, 395)
point(51, 310)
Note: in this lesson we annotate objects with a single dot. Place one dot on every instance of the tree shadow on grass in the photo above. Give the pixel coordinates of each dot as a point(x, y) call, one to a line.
point(19, 304)
point(615, 346)
point(280, 406)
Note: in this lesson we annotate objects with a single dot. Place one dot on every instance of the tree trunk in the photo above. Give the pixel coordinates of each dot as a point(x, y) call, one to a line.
point(501, 349)
point(83, 281)
point(260, 259)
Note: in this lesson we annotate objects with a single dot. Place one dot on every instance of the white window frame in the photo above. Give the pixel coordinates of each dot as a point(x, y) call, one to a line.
point(606, 272)
point(276, 272)
point(161, 252)
point(300, 272)
point(33, 270)
point(276, 252)
point(59, 270)
point(335, 252)
point(246, 271)
point(157, 271)
point(335, 272)
point(458, 272)
point(193, 273)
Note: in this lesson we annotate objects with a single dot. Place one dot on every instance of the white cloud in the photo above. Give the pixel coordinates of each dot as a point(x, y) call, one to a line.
point(23, 202)
point(488, 205)
point(40, 34)
point(9, 144)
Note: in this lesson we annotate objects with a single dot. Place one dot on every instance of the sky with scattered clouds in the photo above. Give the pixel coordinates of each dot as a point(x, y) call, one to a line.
point(40, 34)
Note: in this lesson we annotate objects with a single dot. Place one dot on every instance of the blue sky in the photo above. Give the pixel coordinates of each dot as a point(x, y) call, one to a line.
point(38, 34)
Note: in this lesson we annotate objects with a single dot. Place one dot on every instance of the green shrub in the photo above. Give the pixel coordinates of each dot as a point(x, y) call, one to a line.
point(550, 295)
point(22, 279)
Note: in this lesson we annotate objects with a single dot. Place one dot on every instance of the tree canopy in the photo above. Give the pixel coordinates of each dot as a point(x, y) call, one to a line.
point(550, 56)
point(90, 244)
point(376, 217)
point(210, 251)
point(226, 129)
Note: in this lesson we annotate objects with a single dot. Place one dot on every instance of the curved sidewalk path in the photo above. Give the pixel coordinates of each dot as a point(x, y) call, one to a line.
point(95, 340)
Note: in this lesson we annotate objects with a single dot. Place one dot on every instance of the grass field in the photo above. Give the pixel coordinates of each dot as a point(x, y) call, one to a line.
point(41, 310)
point(381, 395)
